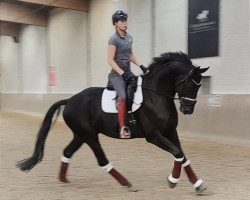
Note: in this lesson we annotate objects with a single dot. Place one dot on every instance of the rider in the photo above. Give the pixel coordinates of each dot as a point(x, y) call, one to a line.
point(119, 57)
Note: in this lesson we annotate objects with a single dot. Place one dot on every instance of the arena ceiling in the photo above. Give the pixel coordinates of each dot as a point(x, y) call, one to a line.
point(14, 13)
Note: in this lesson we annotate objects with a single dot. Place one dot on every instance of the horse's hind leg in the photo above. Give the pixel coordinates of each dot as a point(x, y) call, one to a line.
point(73, 146)
point(94, 144)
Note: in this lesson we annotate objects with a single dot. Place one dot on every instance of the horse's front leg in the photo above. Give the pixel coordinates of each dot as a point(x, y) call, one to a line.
point(172, 145)
point(164, 143)
point(176, 172)
point(197, 183)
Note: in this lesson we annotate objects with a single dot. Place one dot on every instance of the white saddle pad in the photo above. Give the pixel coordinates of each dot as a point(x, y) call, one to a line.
point(108, 99)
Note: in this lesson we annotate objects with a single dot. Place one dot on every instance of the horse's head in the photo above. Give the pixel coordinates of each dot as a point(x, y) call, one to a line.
point(172, 73)
point(187, 87)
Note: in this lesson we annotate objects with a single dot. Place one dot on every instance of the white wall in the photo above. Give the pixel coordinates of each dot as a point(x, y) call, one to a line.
point(171, 26)
point(232, 76)
point(8, 65)
point(100, 31)
point(33, 59)
point(231, 70)
point(67, 33)
point(66, 36)
point(76, 44)
point(140, 27)
point(62, 44)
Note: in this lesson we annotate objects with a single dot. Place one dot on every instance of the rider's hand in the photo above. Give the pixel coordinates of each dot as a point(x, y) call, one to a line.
point(128, 78)
point(144, 69)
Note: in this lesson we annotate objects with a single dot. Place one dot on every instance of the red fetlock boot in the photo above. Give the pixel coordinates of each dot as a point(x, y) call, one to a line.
point(63, 171)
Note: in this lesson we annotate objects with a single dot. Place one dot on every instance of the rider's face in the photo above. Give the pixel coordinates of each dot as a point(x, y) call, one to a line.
point(121, 25)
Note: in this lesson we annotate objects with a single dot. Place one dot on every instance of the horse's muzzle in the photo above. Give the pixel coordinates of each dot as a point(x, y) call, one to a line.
point(187, 110)
point(187, 105)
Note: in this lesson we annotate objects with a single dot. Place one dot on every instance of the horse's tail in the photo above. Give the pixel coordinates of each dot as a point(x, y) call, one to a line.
point(29, 163)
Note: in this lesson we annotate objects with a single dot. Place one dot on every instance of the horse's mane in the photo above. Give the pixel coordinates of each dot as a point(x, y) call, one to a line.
point(169, 57)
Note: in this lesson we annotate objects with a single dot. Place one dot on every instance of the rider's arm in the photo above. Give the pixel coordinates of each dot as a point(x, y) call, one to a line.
point(134, 60)
point(111, 61)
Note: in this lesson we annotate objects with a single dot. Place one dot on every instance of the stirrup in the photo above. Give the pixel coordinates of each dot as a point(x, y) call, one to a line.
point(125, 133)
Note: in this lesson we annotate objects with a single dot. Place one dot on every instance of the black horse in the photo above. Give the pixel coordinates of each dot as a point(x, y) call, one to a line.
point(156, 119)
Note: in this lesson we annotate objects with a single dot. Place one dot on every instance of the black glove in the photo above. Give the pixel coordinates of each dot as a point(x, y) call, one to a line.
point(128, 78)
point(144, 69)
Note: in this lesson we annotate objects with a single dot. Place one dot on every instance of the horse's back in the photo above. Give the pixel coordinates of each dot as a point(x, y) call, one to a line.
point(81, 105)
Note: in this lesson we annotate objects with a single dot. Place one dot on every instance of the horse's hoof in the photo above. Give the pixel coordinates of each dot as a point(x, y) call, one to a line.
point(171, 185)
point(200, 188)
point(172, 182)
point(64, 180)
point(130, 187)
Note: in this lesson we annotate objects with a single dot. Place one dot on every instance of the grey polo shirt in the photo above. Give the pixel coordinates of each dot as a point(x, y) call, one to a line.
point(123, 50)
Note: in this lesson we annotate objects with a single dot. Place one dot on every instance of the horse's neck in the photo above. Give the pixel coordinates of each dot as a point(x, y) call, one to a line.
point(159, 97)
point(163, 81)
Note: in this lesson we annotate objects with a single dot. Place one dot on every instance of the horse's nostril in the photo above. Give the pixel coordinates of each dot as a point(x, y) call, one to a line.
point(186, 110)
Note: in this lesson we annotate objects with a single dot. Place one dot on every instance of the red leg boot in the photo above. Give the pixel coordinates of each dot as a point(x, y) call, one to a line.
point(63, 171)
point(124, 130)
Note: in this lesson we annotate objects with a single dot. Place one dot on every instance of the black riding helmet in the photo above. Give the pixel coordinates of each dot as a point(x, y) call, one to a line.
point(119, 15)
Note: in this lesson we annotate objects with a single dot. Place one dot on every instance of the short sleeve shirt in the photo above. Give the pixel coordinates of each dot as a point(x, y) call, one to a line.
point(123, 50)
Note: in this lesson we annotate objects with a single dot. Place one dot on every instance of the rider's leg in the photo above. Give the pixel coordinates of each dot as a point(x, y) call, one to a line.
point(124, 132)
point(120, 87)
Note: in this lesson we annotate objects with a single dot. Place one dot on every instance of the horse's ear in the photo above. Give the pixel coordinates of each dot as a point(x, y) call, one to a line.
point(202, 70)
point(195, 71)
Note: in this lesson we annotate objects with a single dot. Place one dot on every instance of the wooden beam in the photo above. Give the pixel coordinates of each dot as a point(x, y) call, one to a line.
point(9, 29)
point(81, 5)
point(22, 14)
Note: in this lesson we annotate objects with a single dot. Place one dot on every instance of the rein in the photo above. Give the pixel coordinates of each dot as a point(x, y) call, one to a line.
point(161, 93)
point(181, 99)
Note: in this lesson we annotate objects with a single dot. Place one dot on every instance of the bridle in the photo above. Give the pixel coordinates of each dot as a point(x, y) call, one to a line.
point(181, 98)
point(184, 81)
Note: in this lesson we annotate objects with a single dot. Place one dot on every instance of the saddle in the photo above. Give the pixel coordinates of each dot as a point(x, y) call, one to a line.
point(134, 97)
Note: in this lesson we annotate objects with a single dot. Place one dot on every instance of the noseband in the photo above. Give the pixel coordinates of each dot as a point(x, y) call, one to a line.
point(185, 100)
